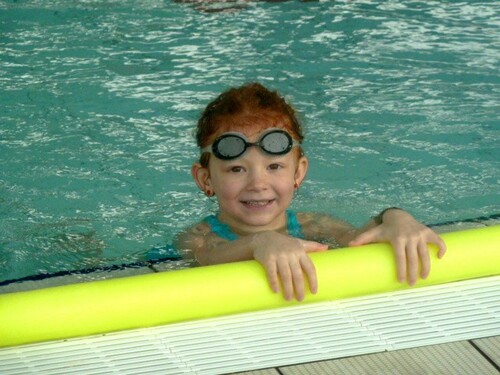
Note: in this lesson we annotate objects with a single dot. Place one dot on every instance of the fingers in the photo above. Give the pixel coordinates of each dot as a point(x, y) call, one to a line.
point(292, 275)
point(412, 257)
point(312, 247)
point(310, 271)
point(285, 274)
point(369, 236)
point(425, 260)
point(412, 264)
point(409, 240)
point(288, 267)
point(272, 276)
point(400, 251)
point(441, 246)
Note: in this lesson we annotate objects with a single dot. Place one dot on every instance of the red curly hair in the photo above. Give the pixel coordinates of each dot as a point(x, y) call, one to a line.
point(249, 105)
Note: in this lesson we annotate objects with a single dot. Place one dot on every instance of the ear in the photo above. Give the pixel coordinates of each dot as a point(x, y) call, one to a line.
point(301, 170)
point(201, 176)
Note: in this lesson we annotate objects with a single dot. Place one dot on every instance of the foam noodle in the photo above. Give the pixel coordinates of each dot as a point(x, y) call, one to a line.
point(162, 298)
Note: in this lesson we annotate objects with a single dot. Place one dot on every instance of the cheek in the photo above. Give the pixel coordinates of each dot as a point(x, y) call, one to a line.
point(227, 189)
point(286, 185)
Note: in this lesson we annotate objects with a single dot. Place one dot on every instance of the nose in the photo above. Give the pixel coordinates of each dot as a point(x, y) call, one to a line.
point(258, 176)
point(257, 179)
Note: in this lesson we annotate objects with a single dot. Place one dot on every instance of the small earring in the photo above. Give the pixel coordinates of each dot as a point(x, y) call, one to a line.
point(209, 193)
point(295, 189)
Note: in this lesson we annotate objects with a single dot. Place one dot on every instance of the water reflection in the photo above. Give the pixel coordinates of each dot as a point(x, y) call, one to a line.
point(99, 99)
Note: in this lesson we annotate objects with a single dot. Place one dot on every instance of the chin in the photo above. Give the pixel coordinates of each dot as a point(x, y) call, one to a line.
point(262, 220)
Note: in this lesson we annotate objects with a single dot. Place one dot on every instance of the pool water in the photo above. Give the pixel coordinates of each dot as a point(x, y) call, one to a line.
point(400, 102)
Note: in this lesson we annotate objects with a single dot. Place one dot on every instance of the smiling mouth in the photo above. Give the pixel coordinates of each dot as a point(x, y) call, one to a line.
point(259, 203)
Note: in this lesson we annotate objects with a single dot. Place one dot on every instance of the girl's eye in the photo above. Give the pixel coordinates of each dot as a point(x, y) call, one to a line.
point(236, 169)
point(275, 166)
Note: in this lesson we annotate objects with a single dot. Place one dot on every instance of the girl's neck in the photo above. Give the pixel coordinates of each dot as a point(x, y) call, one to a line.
point(279, 225)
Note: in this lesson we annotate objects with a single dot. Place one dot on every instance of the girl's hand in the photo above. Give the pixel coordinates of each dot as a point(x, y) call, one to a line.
point(409, 239)
point(285, 259)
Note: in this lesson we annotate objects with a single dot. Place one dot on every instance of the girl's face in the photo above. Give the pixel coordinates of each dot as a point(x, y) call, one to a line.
point(255, 189)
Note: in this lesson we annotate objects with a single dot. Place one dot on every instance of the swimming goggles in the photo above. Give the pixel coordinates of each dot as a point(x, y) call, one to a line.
point(232, 145)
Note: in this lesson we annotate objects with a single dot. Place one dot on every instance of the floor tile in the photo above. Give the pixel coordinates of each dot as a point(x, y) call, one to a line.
point(492, 221)
point(172, 265)
point(259, 372)
point(458, 358)
point(491, 347)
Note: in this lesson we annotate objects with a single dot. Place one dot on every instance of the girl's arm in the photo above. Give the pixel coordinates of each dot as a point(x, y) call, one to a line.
point(408, 237)
point(284, 258)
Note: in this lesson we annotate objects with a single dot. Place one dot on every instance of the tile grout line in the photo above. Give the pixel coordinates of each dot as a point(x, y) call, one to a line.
point(478, 349)
point(152, 268)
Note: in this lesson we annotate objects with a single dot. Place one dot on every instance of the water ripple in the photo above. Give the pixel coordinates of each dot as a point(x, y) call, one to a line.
point(99, 99)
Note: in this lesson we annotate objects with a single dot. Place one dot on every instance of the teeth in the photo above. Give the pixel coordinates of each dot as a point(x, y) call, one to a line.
point(257, 203)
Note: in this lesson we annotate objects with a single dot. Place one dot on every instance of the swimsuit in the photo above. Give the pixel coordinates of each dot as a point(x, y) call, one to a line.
point(168, 252)
point(223, 231)
point(162, 253)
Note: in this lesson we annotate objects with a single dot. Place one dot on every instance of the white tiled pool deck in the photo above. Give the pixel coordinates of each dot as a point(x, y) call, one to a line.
point(465, 341)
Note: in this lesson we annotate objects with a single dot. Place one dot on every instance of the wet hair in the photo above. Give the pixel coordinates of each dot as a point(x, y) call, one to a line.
point(249, 105)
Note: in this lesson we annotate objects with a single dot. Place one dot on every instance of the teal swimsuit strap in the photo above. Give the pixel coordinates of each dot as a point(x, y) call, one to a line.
point(220, 229)
point(293, 226)
point(223, 231)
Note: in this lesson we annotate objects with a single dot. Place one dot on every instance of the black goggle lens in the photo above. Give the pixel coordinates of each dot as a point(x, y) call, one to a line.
point(276, 143)
point(230, 146)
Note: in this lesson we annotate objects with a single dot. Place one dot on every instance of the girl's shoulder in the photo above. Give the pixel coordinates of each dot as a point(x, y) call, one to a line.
point(193, 237)
point(199, 229)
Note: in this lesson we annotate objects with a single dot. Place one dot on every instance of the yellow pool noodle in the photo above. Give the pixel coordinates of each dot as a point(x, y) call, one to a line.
point(162, 298)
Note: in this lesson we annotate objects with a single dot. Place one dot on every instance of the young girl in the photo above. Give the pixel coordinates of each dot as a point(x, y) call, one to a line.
point(252, 162)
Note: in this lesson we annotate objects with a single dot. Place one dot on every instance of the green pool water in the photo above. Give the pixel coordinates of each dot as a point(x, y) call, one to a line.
point(98, 100)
